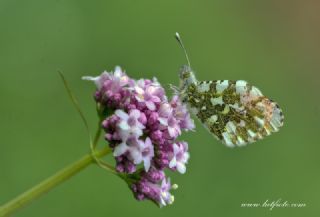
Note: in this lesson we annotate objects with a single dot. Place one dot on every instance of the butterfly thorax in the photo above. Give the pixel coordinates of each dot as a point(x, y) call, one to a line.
point(187, 80)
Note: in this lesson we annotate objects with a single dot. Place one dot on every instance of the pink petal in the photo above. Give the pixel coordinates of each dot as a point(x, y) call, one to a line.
point(176, 149)
point(123, 125)
point(121, 114)
point(172, 131)
point(146, 164)
point(163, 121)
point(135, 155)
point(181, 168)
point(150, 105)
point(173, 162)
point(120, 149)
point(118, 71)
point(155, 99)
point(135, 113)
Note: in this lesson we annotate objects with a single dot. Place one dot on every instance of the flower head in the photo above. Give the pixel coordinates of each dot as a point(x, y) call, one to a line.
point(111, 87)
point(143, 132)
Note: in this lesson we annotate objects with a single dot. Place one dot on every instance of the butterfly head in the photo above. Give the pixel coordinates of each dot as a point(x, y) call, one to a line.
point(186, 76)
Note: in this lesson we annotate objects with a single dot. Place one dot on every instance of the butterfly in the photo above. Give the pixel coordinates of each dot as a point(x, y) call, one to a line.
point(234, 112)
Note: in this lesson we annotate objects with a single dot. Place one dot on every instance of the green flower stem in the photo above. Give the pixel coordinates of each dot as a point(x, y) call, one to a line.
point(48, 184)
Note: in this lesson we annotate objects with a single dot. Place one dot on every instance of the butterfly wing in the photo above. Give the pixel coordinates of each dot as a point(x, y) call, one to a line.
point(235, 112)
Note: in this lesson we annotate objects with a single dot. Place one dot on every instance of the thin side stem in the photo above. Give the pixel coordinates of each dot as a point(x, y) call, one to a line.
point(48, 184)
point(98, 134)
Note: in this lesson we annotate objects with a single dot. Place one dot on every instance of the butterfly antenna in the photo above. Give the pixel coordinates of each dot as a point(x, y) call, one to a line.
point(177, 36)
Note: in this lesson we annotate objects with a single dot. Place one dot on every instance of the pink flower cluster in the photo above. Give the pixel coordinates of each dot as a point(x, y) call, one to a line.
point(143, 131)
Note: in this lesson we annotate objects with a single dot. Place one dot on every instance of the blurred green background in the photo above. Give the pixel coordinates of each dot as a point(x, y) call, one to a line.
point(272, 44)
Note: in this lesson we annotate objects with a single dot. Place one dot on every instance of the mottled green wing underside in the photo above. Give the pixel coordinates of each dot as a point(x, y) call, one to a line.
point(236, 112)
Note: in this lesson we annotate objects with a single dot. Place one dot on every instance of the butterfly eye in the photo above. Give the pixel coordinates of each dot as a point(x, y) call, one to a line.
point(185, 72)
